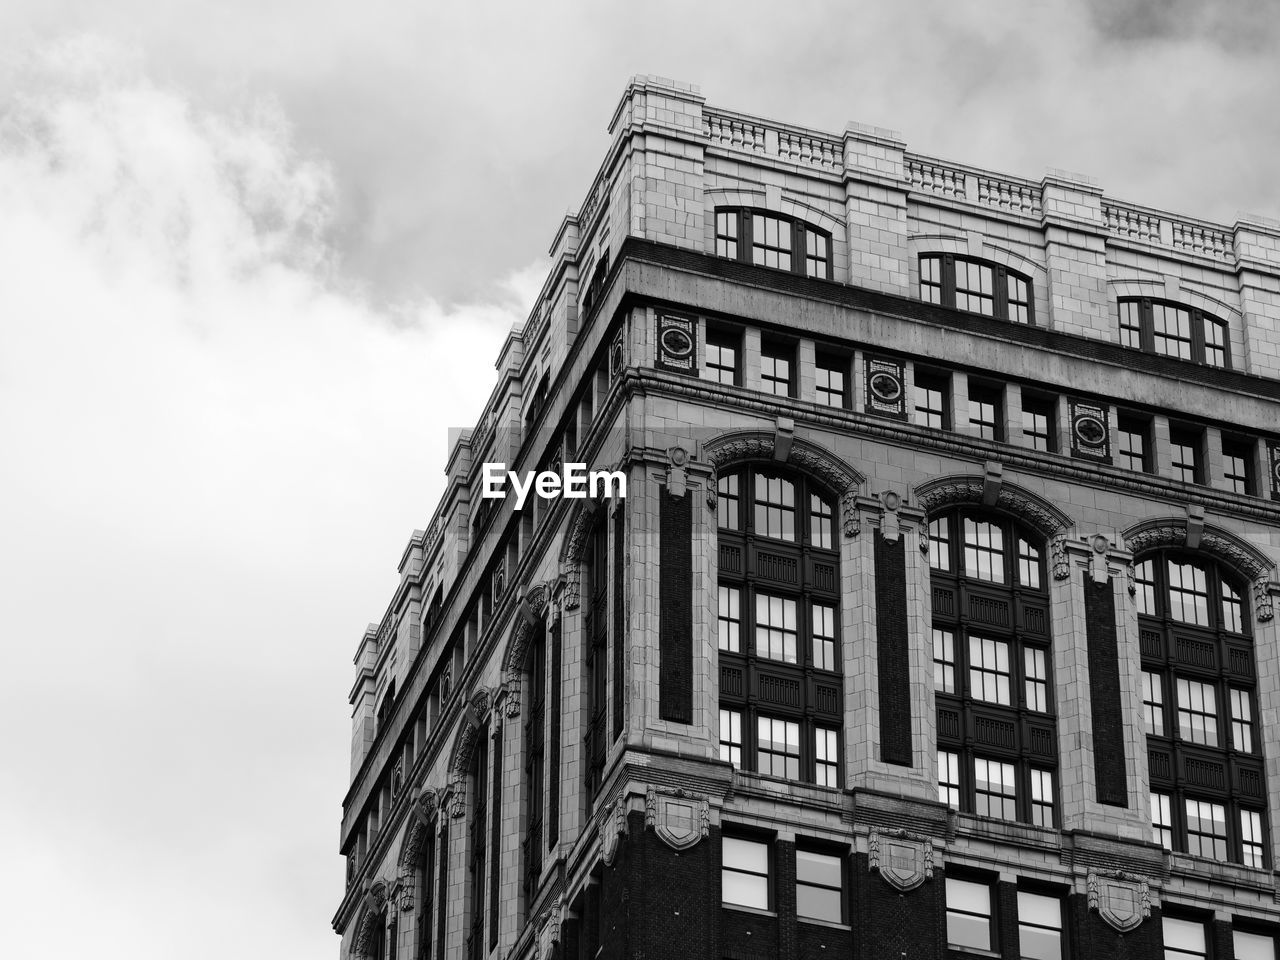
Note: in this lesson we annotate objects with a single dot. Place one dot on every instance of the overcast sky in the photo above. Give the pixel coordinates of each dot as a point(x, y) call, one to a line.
point(256, 258)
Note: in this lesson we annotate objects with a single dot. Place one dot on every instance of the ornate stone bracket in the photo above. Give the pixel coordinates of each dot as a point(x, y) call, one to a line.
point(680, 819)
point(613, 826)
point(1123, 900)
point(903, 860)
point(677, 476)
point(1102, 559)
point(889, 528)
point(549, 922)
point(1058, 558)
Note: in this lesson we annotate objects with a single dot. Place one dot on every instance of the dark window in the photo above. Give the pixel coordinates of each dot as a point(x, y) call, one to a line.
point(969, 914)
point(777, 368)
point(1133, 449)
point(1185, 456)
point(977, 286)
point(819, 885)
point(744, 873)
point(986, 410)
point(770, 240)
point(1040, 422)
point(478, 830)
point(933, 399)
point(596, 622)
point(1237, 459)
point(831, 376)
point(426, 894)
point(1173, 330)
point(993, 681)
point(724, 356)
point(535, 740)
point(778, 622)
point(1200, 709)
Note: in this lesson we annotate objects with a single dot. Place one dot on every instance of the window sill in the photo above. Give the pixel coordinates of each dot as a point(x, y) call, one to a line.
point(753, 911)
point(970, 952)
point(829, 924)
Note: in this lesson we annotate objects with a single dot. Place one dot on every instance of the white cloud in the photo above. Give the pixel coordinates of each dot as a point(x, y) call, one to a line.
point(215, 448)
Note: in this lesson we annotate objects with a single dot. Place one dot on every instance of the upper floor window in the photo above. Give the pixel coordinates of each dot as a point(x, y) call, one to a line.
point(1133, 446)
point(1186, 455)
point(976, 286)
point(831, 379)
point(770, 240)
point(986, 410)
point(1173, 330)
point(933, 399)
point(1237, 466)
point(724, 355)
point(778, 368)
point(778, 626)
point(1200, 709)
point(1040, 422)
point(819, 885)
point(992, 668)
point(744, 872)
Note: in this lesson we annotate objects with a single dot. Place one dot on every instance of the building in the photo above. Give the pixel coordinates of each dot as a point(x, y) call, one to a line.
point(938, 619)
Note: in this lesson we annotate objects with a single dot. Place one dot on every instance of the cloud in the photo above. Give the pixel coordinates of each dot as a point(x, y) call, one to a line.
point(216, 445)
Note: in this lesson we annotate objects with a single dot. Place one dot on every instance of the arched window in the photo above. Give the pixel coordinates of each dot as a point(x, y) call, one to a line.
point(772, 240)
point(992, 668)
point(977, 286)
point(778, 600)
point(535, 733)
point(1173, 330)
point(1200, 709)
point(477, 828)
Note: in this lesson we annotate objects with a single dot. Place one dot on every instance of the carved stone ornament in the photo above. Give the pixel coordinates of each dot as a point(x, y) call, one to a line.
point(574, 549)
point(1121, 899)
point(1262, 599)
point(510, 696)
point(758, 445)
point(1058, 555)
point(680, 819)
point(405, 887)
point(455, 799)
point(549, 930)
point(1132, 574)
point(677, 476)
point(421, 813)
point(889, 528)
point(613, 826)
point(850, 522)
point(903, 860)
point(1009, 497)
point(375, 900)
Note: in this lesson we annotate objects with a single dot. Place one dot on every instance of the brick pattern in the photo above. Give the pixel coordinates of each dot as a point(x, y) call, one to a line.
point(675, 636)
point(1104, 702)
point(893, 657)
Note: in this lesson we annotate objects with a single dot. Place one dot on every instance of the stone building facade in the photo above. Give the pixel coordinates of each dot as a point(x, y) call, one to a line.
point(938, 619)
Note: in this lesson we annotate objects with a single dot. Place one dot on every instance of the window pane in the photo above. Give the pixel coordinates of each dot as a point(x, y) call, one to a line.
point(968, 914)
point(746, 890)
point(983, 550)
point(730, 619)
point(1039, 926)
point(1183, 938)
point(776, 628)
point(819, 868)
point(1253, 946)
point(740, 854)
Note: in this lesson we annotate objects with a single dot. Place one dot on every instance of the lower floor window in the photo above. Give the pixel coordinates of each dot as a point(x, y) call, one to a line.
point(744, 875)
point(819, 886)
point(1184, 939)
point(968, 914)
point(1253, 946)
point(1039, 926)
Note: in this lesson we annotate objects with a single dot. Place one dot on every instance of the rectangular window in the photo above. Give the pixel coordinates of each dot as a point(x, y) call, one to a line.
point(1253, 946)
point(727, 234)
point(949, 778)
point(731, 737)
point(1040, 423)
point(728, 502)
point(822, 523)
point(1171, 331)
point(744, 875)
point(1042, 798)
point(933, 392)
point(776, 363)
point(826, 757)
point(1131, 324)
point(1028, 565)
point(968, 914)
point(975, 288)
point(776, 628)
point(1153, 703)
point(931, 279)
point(995, 792)
point(1184, 939)
point(1162, 820)
point(983, 551)
point(1036, 679)
point(817, 254)
point(986, 411)
point(724, 349)
point(1184, 454)
point(1237, 458)
point(1019, 299)
point(1215, 342)
point(730, 619)
point(1252, 842)
point(823, 618)
point(1039, 926)
point(775, 514)
point(832, 380)
point(1145, 587)
point(1241, 721)
point(819, 886)
point(1232, 608)
point(1197, 712)
point(770, 241)
point(989, 670)
point(1133, 446)
point(940, 544)
point(944, 661)
point(1206, 829)
point(778, 747)
point(1188, 594)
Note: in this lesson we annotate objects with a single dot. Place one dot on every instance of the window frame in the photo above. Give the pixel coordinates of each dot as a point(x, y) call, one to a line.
point(1199, 321)
point(1188, 437)
point(832, 361)
point(993, 926)
point(1242, 449)
point(817, 848)
point(770, 874)
point(1041, 405)
point(778, 349)
point(723, 337)
point(987, 393)
point(742, 234)
point(924, 382)
point(1044, 894)
point(1141, 427)
point(1001, 279)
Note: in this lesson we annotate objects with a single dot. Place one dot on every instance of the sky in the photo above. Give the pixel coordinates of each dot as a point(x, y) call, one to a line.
point(257, 258)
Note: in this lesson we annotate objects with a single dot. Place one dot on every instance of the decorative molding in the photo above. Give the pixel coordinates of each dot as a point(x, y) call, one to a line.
point(903, 860)
point(677, 477)
point(1123, 900)
point(1058, 557)
point(1047, 519)
point(421, 813)
point(548, 938)
point(679, 818)
point(372, 914)
point(575, 546)
point(850, 522)
point(1262, 599)
point(889, 528)
point(613, 826)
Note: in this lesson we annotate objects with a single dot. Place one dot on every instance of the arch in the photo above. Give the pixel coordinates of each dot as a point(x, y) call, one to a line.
point(533, 608)
point(1235, 553)
point(1181, 294)
point(923, 244)
point(1032, 509)
point(464, 747)
point(574, 548)
point(421, 814)
point(372, 913)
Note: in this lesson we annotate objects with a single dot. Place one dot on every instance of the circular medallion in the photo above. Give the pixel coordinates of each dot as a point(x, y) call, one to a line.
point(1090, 431)
point(676, 343)
point(615, 359)
point(885, 387)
